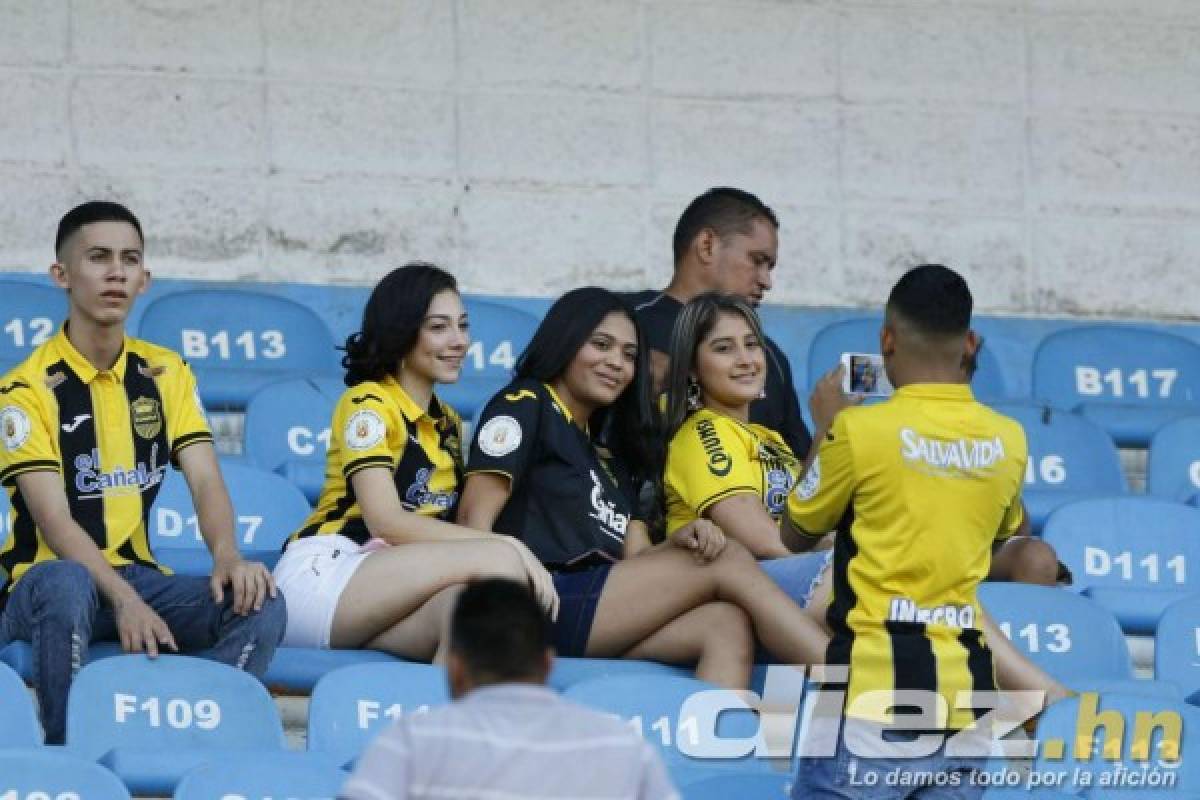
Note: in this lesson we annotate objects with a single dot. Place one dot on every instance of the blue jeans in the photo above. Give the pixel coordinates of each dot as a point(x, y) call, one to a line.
point(847, 776)
point(55, 607)
point(798, 575)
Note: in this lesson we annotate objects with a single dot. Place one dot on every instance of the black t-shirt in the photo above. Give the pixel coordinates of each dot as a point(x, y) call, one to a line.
point(779, 410)
point(570, 506)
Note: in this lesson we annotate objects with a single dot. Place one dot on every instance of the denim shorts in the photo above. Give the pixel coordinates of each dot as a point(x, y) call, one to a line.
point(578, 595)
point(798, 575)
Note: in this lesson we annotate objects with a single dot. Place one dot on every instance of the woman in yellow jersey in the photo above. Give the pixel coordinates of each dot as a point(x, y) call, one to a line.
point(537, 470)
point(378, 563)
point(719, 465)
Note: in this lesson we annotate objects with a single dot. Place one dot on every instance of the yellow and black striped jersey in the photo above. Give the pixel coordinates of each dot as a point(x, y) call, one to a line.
point(377, 424)
point(934, 478)
point(713, 456)
point(110, 434)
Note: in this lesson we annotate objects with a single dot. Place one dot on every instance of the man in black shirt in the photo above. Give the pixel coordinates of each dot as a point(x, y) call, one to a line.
point(727, 241)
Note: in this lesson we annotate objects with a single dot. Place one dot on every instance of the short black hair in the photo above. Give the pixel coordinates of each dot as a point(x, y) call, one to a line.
point(93, 211)
point(933, 298)
point(392, 320)
point(499, 630)
point(724, 210)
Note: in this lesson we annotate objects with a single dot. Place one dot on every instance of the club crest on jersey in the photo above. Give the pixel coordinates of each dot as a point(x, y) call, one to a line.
point(500, 436)
point(14, 427)
point(779, 483)
point(147, 417)
point(719, 462)
point(364, 430)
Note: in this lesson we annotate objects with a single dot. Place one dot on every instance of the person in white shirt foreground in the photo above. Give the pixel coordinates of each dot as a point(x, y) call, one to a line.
point(507, 734)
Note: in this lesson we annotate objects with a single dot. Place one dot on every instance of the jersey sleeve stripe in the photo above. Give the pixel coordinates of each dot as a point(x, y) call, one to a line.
point(28, 466)
point(492, 470)
point(721, 495)
point(369, 461)
point(190, 439)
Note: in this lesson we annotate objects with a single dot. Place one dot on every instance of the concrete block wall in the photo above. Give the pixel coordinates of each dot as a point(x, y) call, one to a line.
point(1048, 148)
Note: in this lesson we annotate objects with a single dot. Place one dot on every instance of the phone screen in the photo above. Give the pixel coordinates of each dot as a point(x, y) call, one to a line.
point(867, 375)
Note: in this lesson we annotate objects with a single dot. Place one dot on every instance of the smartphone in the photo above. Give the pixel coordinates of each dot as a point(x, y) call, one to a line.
point(863, 373)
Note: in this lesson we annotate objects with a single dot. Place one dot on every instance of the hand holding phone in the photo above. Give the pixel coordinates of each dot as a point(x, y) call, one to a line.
point(863, 374)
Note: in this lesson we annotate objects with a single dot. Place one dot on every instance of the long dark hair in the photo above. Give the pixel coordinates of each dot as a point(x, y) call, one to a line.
point(695, 321)
point(629, 426)
point(392, 319)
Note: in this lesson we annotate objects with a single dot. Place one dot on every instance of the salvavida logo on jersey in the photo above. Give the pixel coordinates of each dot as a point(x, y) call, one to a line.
point(961, 454)
point(92, 481)
point(612, 522)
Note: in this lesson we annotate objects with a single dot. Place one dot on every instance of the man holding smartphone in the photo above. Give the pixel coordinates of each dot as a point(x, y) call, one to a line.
point(934, 479)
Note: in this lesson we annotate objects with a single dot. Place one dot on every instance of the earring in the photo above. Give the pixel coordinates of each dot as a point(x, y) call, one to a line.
point(693, 394)
point(762, 393)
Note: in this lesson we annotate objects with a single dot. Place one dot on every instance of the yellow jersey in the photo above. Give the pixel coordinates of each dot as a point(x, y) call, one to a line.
point(934, 478)
point(713, 456)
point(109, 434)
point(377, 424)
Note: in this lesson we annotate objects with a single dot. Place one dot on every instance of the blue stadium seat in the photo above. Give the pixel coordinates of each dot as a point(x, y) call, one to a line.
point(152, 721)
point(287, 430)
point(1069, 636)
point(21, 727)
point(299, 669)
point(567, 672)
point(1133, 555)
point(1177, 647)
point(268, 509)
point(261, 775)
point(654, 704)
point(239, 341)
point(498, 335)
point(752, 786)
point(1117, 747)
point(1173, 465)
point(1070, 459)
point(350, 706)
point(19, 656)
point(1129, 381)
point(30, 314)
point(862, 336)
point(55, 774)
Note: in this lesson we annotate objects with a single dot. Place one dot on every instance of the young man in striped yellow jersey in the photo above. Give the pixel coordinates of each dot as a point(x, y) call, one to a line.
point(88, 425)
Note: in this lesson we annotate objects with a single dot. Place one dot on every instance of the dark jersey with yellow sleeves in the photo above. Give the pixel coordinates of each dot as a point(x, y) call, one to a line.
point(377, 424)
point(934, 479)
point(109, 434)
point(568, 504)
point(713, 456)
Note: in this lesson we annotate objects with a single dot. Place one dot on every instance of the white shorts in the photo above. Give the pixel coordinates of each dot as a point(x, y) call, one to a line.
point(312, 573)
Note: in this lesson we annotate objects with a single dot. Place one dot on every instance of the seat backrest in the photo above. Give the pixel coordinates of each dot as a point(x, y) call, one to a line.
point(1116, 364)
point(1177, 647)
point(287, 427)
point(234, 328)
point(498, 335)
point(1127, 543)
point(268, 508)
point(350, 705)
point(1173, 466)
point(1065, 634)
point(654, 705)
point(30, 313)
point(54, 774)
point(262, 776)
point(21, 727)
point(167, 703)
point(1158, 733)
point(862, 336)
point(1066, 451)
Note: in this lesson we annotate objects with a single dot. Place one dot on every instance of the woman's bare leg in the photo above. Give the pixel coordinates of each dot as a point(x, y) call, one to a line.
point(645, 593)
point(392, 584)
point(716, 637)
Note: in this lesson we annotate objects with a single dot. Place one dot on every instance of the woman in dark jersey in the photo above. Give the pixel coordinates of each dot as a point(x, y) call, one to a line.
point(378, 563)
point(536, 470)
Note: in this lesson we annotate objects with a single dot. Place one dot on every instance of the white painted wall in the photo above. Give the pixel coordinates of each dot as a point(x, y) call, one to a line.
point(1048, 148)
